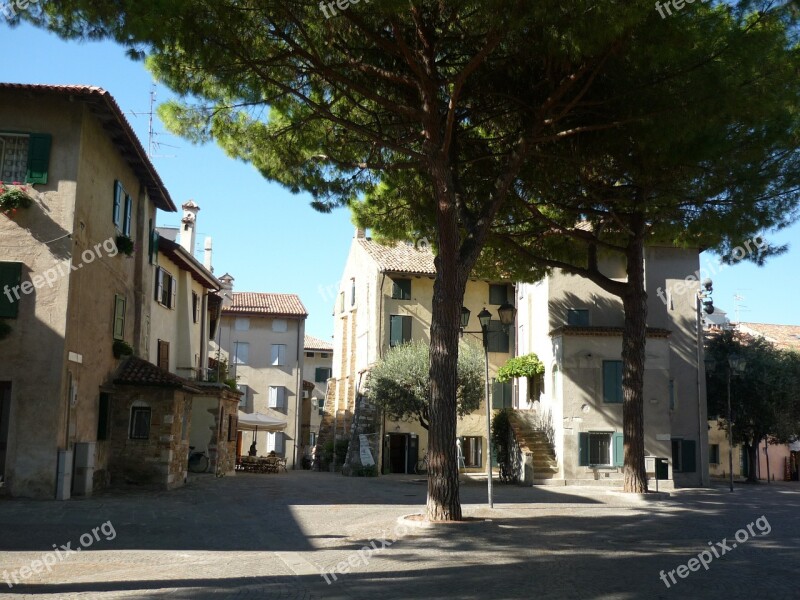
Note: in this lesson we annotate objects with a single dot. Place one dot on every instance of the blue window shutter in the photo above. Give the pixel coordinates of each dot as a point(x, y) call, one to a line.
point(618, 448)
point(115, 216)
point(583, 449)
point(38, 157)
point(126, 227)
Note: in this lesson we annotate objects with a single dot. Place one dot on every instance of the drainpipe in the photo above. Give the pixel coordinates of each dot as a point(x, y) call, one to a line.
point(298, 397)
point(700, 364)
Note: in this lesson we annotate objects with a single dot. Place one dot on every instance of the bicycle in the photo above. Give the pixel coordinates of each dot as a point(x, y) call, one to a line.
point(421, 468)
point(198, 461)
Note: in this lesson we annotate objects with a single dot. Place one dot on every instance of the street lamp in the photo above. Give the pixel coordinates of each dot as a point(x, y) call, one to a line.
point(506, 312)
point(735, 363)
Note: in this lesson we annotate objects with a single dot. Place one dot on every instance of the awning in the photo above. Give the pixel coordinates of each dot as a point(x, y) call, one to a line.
point(259, 422)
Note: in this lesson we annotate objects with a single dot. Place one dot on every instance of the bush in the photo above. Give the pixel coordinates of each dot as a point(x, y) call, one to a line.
point(122, 348)
point(341, 452)
point(501, 437)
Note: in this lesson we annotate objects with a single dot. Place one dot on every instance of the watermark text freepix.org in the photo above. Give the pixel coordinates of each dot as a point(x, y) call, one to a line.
point(364, 555)
point(48, 559)
point(717, 550)
point(51, 275)
point(676, 4)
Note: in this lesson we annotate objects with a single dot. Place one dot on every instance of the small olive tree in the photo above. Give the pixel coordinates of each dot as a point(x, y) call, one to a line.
point(400, 382)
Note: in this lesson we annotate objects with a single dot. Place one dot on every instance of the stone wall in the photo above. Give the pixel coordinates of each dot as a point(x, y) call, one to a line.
point(162, 458)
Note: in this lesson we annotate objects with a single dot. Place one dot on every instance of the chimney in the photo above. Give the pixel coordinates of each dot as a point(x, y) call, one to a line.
point(207, 254)
point(227, 289)
point(188, 226)
point(360, 233)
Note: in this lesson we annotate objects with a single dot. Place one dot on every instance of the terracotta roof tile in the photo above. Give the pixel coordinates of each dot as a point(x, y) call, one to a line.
point(400, 257)
point(785, 337)
point(258, 303)
point(312, 343)
point(137, 371)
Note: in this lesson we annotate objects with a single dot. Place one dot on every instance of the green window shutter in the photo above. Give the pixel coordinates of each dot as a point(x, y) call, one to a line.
point(618, 448)
point(320, 374)
point(126, 226)
point(395, 330)
point(688, 458)
point(153, 245)
point(119, 317)
point(498, 339)
point(583, 449)
point(612, 381)
point(406, 329)
point(117, 209)
point(10, 278)
point(103, 416)
point(38, 157)
point(401, 289)
point(498, 294)
point(497, 394)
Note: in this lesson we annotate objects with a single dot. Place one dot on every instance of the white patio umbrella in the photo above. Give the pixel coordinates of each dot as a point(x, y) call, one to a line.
point(260, 422)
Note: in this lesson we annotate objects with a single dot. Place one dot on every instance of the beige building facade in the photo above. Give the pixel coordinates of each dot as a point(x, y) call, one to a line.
point(317, 370)
point(91, 182)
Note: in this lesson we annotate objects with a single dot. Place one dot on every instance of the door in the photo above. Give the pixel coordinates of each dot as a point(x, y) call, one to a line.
point(5, 414)
point(398, 452)
point(413, 453)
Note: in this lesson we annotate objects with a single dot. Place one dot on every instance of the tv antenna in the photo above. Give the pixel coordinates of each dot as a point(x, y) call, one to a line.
point(153, 145)
point(738, 307)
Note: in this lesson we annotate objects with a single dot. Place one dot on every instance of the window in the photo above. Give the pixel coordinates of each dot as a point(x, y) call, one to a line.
point(672, 394)
point(245, 389)
point(401, 289)
point(498, 294)
point(683, 456)
point(233, 425)
point(499, 340)
point(502, 394)
point(309, 355)
point(321, 406)
point(163, 355)
point(322, 374)
point(241, 353)
point(166, 288)
point(140, 423)
point(24, 157)
point(312, 439)
point(578, 317)
point(612, 381)
point(278, 356)
point(352, 292)
point(275, 442)
point(119, 317)
point(116, 211)
point(340, 303)
point(195, 307)
point(324, 355)
point(600, 449)
point(241, 324)
point(399, 330)
point(279, 325)
point(535, 387)
point(472, 450)
point(277, 396)
point(713, 454)
point(104, 416)
point(10, 278)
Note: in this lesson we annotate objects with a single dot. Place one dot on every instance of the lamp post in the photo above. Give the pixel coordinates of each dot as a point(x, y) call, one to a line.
point(735, 363)
point(506, 312)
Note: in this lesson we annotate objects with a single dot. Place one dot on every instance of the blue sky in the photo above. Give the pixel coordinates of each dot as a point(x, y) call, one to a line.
point(271, 240)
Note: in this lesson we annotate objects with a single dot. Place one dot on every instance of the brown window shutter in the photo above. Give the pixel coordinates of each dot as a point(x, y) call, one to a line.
point(163, 355)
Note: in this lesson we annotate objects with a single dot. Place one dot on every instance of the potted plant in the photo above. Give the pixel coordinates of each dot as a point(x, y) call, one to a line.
point(14, 198)
point(122, 348)
point(125, 244)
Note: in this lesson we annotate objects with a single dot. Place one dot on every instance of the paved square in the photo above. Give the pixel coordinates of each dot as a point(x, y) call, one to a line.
point(274, 536)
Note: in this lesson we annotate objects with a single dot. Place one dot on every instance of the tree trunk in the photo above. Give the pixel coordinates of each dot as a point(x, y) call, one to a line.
point(444, 503)
point(634, 340)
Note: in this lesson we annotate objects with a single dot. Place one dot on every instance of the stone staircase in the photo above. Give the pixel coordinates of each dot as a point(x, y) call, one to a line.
point(532, 439)
point(338, 420)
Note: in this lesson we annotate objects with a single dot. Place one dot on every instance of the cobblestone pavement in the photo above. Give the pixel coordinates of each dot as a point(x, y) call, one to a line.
point(274, 536)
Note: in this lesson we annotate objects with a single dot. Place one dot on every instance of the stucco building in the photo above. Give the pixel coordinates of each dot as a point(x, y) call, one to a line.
point(385, 299)
point(92, 182)
point(261, 337)
point(317, 369)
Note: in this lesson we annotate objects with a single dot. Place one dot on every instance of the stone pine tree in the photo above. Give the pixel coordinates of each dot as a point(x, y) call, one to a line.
point(706, 160)
point(462, 97)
